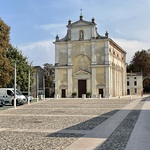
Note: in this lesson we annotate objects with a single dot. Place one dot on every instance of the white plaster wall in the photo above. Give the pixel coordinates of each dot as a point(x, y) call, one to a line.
point(75, 33)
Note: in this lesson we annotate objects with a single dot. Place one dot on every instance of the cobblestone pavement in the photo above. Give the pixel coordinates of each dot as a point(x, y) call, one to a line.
point(119, 138)
point(54, 124)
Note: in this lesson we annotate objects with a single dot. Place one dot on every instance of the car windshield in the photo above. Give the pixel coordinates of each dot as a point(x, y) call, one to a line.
point(17, 92)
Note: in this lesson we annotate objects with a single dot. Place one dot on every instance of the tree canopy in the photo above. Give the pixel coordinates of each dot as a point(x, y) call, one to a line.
point(140, 62)
point(49, 74)
point(22, 68)
point(5, 66)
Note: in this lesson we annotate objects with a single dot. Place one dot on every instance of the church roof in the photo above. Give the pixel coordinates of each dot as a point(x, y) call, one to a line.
point(78, 23)
point(81, 22)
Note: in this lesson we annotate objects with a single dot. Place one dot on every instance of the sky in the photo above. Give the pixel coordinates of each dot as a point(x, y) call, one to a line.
point(35, 24)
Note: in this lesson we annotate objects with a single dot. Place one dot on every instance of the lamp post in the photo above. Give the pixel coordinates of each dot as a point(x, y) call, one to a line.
point(37, 86)
point(29, 86)
point(15, 87)
point(43, 87)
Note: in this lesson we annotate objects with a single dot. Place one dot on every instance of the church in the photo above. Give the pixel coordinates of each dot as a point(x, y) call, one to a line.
point(87, 62)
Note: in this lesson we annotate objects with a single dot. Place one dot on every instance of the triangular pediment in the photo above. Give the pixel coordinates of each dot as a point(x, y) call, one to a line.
point(81, 23)
point(81, 72)
point(63, 86)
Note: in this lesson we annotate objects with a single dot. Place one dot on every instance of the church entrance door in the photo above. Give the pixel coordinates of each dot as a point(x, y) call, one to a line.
point(101, 92)
point(63, 93)
point(81, 87)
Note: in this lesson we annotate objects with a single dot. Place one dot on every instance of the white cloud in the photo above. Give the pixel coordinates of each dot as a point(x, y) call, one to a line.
point(53, 29)
point(132, 46)
point(39, 52)
point(49, 26)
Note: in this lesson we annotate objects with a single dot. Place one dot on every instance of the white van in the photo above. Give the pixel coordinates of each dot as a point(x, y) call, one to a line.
point(7, 94)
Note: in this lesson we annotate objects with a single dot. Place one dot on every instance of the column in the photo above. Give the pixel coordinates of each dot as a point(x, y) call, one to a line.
point(93, 53)
point(115, 80)
point(88, 85)
point(69, 54)
point(108, 81)
point(121, 81)
point(56, 81)
point(124, 79)
point(111, 84)
point(56, 54)
point(107, 69)
point(93, 81)
point(70, 82)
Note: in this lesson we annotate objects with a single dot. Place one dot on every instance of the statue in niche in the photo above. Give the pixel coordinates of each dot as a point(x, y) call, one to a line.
point(81, 35)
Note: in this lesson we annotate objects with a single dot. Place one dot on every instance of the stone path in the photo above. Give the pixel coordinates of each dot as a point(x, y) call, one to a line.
point(69, 124)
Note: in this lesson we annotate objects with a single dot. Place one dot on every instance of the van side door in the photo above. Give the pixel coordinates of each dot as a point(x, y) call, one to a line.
point(9, 97)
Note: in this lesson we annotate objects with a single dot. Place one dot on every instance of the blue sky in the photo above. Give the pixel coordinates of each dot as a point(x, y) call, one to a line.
point(35, 23)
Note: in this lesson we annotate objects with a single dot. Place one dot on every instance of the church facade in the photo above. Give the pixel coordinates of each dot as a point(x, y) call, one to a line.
point(86, 62)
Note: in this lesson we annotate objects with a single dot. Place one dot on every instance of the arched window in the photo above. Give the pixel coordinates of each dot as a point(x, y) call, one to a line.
point(81, 35)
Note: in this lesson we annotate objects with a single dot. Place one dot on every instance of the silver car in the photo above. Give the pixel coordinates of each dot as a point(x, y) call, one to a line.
point(2, 102)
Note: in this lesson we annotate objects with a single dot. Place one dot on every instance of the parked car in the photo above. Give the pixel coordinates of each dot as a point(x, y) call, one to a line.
point(7, 94)
point(26, 95)
point(2, 102)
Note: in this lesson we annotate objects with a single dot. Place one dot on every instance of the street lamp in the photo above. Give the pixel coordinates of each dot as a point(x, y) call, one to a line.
point(37, 85)
point(29, 83)
point(29, 86)
point(43, 87)
point(15, 86)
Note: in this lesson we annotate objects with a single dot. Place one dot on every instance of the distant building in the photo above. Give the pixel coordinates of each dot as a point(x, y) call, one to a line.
point(134, 83)
point(88, 62)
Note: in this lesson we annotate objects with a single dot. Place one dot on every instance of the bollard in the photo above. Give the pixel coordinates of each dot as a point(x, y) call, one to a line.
point(56, 96)
point(83, 96)
point(99, 96)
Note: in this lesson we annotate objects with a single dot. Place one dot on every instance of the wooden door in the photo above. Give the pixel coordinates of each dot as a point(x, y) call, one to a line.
point(101, 92)
point(81, 87)
point(63, 93)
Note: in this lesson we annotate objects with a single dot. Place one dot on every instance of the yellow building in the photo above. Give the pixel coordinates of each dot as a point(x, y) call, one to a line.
point(88, 62)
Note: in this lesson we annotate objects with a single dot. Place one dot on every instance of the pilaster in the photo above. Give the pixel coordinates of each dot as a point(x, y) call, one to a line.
point(69, 82)
point(93, 52)
point(56, 54)
point(56, 81)
point(93, 81)
point(69, 54)
point(107, 70)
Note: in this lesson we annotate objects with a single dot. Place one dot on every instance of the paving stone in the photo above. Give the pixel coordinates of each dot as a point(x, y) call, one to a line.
point(62, 114)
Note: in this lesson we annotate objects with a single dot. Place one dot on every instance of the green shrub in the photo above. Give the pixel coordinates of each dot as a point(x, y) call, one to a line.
point(74, 94)
point(88, 94)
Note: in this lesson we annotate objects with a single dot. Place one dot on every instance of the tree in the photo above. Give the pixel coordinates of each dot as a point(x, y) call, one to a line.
point(5, 66)
point(49, 78)
point(22, 68)
point(141, 63)
point(49, 74)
